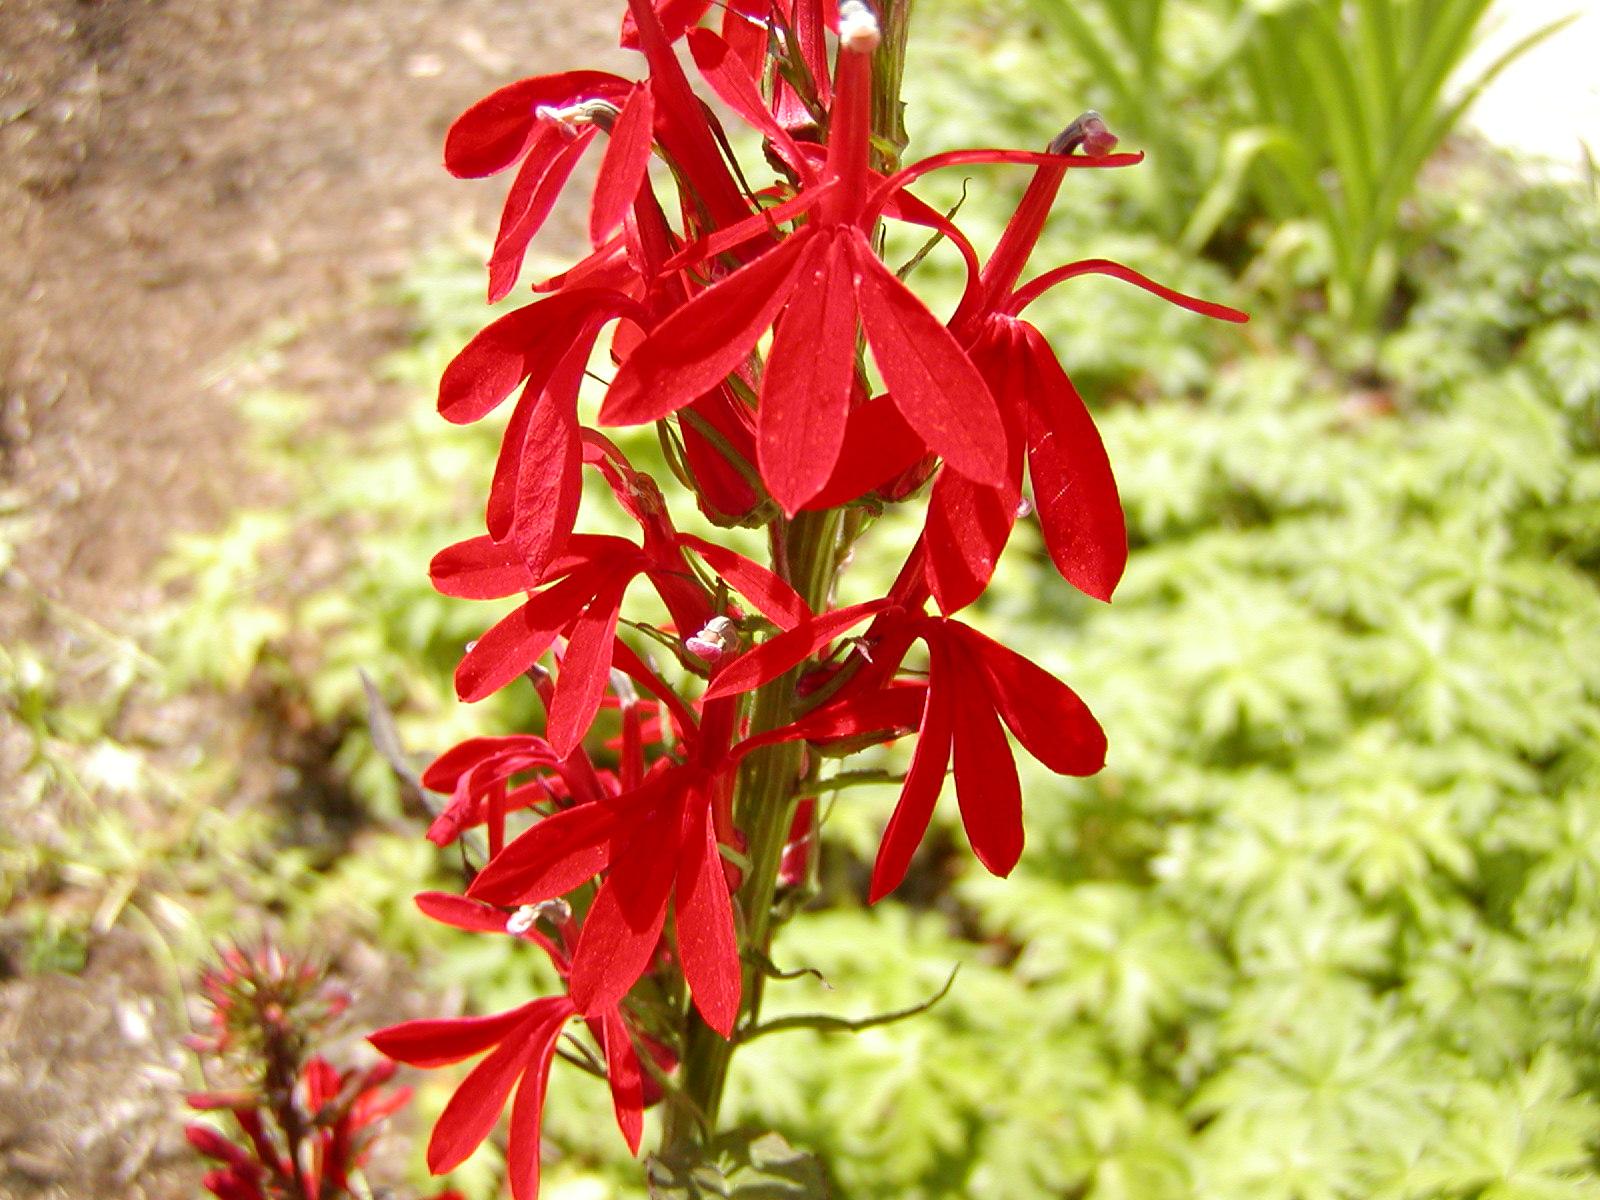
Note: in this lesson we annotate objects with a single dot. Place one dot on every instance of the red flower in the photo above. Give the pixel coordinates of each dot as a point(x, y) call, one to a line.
point(817, 284)
point(1074, 491)
point(522, 1044)
point(656, 843)
point(974, 684)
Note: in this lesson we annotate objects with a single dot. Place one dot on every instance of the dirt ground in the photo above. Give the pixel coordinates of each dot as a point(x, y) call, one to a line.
point(179, 178)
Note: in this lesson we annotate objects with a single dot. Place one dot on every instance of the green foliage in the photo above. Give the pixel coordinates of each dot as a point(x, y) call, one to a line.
point(1320, 114)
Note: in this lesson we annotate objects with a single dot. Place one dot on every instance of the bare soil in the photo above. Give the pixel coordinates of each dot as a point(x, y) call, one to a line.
point(179, 179)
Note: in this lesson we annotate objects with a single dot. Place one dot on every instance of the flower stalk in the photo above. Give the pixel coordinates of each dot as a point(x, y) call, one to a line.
point(671, 842)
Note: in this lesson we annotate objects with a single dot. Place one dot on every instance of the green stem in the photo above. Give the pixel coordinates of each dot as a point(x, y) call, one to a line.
point(768, 791)
point(806, 552)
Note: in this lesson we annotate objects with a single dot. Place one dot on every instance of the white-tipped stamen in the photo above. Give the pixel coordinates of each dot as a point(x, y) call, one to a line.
point(718, 638)
point(858, 27)
point(522, 920)
point(575, 116)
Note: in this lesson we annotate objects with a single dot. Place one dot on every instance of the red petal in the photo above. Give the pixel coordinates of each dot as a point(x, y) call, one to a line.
point(924, 782)
point(933, 383)
point(968, 527)
point(635, 668)
point(771, 595)
point(518, 640)
point(805, 391)
point(559, 853)
point(700, 344)
point(460, 913)
point(444, 771)
point(878, 445)
point(533, 197)
point(527, 1111)
point(624, 924)
point(505, 259)
point(501, 509)
point(492, 134)
point(986, 776)
point(764, 222)
point(1073, 487)
point(955, 158)
point(624, 1075)
point(440, 1040)
point(1031, 291)
point(622, 171)
point(550, 478)
point(528, 343)
point(1046, 715)
point(733, 83)
point(708, 948)
point(777, 655)
point(875, 712)
point(585, 669)
point(676, 16)
point(723, 486)
point(480, 569)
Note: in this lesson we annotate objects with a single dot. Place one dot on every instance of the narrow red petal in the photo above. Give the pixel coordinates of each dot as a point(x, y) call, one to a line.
point(1074, 489)
point(492, 134)
point(878, 445)
point(934, 384)
point(805, 390)
point(1032, 290)
point(501, 509)
point(771, 595)
point(527, 1111)
point(986, 776)
point(624, 1075)
point(528, 343)
point(624, 924)
point(924, 782)
point(882, 711)
point(560, 852)
point(733, 83)
point(708, 948)
point(968, 527)
point(461, 913)
point(444, 771)
point(505, 259)
point(622, 171)
point(1046, 715)
point(777, 655)
point(585, 669)
point(480, 569)
point(550, 479)
point(518, 640)
point(702, 343)
point(517, 229)
point(440, 1040)
point(765, 222)
point(635, 668)
point(957, 158)
point(676, 17)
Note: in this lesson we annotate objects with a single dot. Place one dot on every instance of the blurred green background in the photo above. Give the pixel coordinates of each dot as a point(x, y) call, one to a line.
point(1327, 926)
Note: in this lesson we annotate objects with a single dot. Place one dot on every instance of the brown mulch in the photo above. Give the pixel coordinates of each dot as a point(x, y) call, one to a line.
point(179, 180)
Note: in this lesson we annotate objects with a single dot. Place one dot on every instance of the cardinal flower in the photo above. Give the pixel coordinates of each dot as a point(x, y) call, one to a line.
point(522, 1044)
point(657, 844)
point(974, 686)
point(1074, 491)
point(818, 285)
